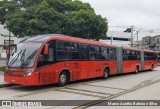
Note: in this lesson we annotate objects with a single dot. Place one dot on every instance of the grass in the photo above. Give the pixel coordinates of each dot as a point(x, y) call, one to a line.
point(2, 69)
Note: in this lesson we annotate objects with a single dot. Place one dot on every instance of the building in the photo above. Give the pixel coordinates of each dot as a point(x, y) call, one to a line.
point(137, 44)
point(157, 42)
point(152, 43)
point(4, 40)
point(146, 42)
point(118, 38)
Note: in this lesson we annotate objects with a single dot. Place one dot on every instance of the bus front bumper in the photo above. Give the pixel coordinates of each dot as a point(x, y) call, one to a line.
point(29, 81)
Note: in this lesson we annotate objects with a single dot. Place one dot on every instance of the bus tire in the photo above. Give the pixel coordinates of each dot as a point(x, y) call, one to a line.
point(106, 73)
point(137, 69)
point(152, 67)
point(63, 79)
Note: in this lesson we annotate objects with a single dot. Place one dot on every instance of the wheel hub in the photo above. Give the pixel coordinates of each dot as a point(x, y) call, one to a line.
point(63, 78)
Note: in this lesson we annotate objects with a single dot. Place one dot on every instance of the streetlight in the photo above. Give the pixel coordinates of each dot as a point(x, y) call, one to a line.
point(9, 49)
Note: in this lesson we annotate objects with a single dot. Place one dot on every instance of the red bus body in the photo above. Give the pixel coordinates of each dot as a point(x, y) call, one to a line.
point(77, 69)
point(148, 63)
point(130, 65)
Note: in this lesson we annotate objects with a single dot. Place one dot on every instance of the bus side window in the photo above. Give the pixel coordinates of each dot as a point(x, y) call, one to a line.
point(51, 53)
point(132, 55)
point(138, 55)
point(67, 46)
point(150, 56)
point(74, 51)
point(124, 55)
point(63, 50)
point(104, 53)
point(94, 53)
point(112, 54)
point(83, 51)
point(59, 45)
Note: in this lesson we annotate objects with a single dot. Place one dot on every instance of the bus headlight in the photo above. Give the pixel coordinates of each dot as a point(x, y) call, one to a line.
point(28, 72)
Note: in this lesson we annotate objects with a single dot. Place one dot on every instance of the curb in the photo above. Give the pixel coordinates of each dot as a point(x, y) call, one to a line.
point(5, 85)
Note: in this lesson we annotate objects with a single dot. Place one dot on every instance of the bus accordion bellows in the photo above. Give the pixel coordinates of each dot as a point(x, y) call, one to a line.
point(55, 58)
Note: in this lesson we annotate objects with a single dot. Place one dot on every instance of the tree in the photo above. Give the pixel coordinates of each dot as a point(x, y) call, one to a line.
point(86, 24)
point(31, 17)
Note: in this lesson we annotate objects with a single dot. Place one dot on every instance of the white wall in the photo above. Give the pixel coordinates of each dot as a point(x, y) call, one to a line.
point(117, 42)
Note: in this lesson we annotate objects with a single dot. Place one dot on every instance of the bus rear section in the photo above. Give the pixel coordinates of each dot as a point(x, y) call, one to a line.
point(150, 60)
point(135, 60)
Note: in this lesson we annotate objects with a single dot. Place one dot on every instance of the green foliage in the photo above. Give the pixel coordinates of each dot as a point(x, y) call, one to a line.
point(3, 68)
point(86, 24)
point(30, 17)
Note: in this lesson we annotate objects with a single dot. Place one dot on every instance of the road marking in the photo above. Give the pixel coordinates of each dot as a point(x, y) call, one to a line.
point(116, 95)
point(89, 91)
point(73, 84)
point(106, 87)
point(37, 92)
point(47, 90)
point(79, 93)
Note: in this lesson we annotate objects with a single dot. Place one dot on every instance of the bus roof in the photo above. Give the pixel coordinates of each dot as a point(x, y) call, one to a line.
point(41, 38)
point(47, 37)
point(146, 50)
point(91, 42)
point(130, 48)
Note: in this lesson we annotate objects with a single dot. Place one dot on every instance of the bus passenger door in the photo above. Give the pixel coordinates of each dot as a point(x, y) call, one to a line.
point(45, 62)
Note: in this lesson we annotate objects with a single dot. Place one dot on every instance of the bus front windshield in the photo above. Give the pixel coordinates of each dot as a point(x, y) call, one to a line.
point(24, 55)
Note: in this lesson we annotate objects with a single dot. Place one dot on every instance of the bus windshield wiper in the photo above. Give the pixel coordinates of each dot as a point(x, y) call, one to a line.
point(23, 58)
point(15, 58)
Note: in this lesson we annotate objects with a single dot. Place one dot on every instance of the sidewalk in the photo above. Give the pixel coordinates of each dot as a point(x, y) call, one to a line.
point(2, 80)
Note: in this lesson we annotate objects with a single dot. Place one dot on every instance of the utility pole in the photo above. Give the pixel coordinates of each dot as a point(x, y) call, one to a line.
point(137, 35)
point(111, 39)
point(151, 32)
point(9, 48)
point(132, 29)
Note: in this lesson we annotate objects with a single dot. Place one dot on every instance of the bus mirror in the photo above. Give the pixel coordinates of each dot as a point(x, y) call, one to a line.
point(45, 50)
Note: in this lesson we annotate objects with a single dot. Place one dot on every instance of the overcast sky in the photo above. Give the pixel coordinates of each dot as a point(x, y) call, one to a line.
point(143, 14)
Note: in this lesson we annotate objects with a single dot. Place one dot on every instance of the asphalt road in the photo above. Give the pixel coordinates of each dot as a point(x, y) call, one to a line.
point(141, 86)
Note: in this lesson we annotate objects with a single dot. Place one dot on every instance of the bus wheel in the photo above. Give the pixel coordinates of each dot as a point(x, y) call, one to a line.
point(137, 70)
point(63, 79)
point(106, 73)
point(152, 67)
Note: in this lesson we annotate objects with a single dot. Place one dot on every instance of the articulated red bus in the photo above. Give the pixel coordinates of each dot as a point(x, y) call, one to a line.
point(53, 58)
